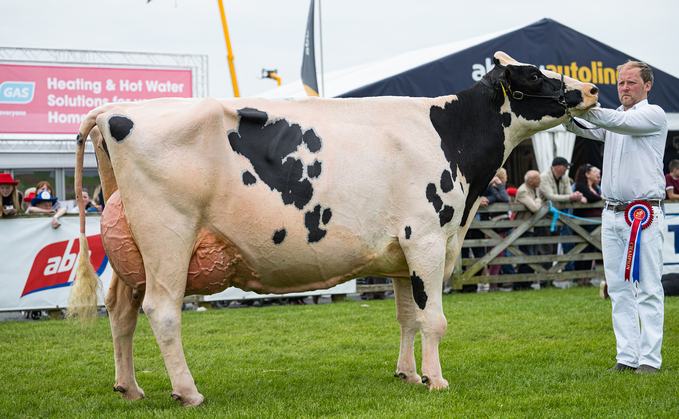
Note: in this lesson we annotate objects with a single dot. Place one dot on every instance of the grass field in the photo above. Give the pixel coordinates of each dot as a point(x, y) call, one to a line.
point(531, 354)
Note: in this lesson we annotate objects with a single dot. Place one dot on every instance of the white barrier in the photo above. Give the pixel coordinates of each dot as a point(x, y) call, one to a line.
point(37, 264)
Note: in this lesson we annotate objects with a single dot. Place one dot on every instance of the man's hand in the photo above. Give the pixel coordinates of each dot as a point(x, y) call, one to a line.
point(55, 222)
point(495, 181)
point(484, 202)
point(577, 196)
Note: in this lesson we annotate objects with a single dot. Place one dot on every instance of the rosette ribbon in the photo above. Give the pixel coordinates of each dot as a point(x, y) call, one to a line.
point(639, 215)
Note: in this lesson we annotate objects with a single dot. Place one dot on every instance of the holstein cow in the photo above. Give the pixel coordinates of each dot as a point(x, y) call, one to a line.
point(279, 196)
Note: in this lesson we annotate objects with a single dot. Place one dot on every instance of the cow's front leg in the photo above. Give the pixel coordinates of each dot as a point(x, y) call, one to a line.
point(426, 260)
point(406, 313)
point(123, 310)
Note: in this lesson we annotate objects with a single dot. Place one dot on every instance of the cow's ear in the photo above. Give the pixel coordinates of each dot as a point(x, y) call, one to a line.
point(497, 62)
point(505, 77)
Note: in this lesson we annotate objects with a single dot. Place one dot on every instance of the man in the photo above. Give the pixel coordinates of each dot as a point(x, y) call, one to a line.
point(556, 187)
point(527, 194)
point(635, 135)
point(672, 181)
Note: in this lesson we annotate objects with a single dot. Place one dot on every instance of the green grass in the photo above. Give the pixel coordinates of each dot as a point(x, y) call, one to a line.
point(532, 354)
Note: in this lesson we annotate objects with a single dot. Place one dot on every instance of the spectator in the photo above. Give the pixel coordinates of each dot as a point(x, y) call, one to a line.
point(56, 209)
point(586, 180)
point(527, 194)
point(556, 187)
point(28, 195)
point(98, 198)
point(672, 181)
point(497, 193)
point(89, 207)
point(11, 197)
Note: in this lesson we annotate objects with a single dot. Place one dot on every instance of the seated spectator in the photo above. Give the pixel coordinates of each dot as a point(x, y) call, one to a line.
point(586, 179)
point(672, 181)
point(98, 198)
point(89, 206)
point(28, 195)
point(11, 197)
point(56, 209)
point(527, 194)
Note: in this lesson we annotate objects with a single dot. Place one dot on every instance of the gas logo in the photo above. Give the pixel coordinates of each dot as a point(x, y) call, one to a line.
point(55, 265)
point(17, 92)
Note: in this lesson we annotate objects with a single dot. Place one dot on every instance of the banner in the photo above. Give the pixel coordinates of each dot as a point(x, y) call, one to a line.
point(309, 57)
point(38, 262)
point(54, 100)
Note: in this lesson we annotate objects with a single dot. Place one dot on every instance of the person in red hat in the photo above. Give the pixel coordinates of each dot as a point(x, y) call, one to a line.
point(11, 197)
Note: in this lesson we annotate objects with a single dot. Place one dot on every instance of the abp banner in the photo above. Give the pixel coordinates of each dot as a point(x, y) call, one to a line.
point(38, 263)
point(53, 100)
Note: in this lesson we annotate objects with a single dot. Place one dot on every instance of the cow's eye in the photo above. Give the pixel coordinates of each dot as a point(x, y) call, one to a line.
point(535, 77)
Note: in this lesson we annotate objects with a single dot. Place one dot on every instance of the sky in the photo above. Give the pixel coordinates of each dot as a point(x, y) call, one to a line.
point(269, 34)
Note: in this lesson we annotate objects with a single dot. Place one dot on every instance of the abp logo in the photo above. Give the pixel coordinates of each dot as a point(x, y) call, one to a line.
point(17, 92)
point(55, 265)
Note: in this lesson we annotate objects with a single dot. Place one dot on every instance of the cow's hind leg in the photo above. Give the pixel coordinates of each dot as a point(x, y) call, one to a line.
point(406, 313)
point(123, 311)
point(426, 261)
point(166, 250)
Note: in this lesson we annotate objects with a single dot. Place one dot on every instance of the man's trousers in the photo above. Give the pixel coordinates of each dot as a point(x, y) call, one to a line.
point(638, 310)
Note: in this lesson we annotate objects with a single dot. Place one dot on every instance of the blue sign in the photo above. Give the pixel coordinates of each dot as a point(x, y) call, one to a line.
point(17, 92)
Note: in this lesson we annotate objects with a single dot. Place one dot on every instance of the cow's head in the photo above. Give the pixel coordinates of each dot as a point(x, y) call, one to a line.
point(537, 99)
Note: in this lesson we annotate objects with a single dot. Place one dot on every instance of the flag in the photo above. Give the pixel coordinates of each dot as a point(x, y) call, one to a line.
point(309, 58)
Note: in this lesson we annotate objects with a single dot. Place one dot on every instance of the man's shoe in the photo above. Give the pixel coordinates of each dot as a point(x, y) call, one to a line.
point(603, 290)
point(623, 367)
point(646, 369)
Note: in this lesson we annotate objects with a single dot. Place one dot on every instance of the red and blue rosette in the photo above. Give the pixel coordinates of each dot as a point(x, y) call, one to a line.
point(639, 215)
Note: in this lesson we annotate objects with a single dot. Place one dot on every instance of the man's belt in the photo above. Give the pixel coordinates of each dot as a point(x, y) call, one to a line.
point(623, 207)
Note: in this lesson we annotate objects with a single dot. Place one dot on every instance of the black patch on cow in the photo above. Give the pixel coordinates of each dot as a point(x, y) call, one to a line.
point(249, 178)
point(312, 141)
point(120, 127)
point(314, 170)
point(327, 215)
point(279, 236)
point(419, 294)
point(312, 222)
point(445, 212)
point(269, 146)
point(408, 231)
point(447, 184)
point(446, 215)
point(506, 119)
point(433, 197)
point(79, 140)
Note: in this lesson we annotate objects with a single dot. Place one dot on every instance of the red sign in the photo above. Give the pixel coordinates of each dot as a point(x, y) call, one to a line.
point(55, 265)
point(54, 100)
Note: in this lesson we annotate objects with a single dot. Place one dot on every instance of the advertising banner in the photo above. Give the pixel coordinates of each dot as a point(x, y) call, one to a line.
point(38, 263)
point(54, 100)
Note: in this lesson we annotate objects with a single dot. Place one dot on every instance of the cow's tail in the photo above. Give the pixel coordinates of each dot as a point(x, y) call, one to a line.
point(82, 301)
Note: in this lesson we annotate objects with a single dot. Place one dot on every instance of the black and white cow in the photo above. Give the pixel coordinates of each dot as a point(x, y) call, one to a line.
point(283, 196)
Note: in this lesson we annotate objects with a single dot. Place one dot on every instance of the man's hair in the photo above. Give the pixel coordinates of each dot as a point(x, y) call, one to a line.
point(501, 171)
point(646, 72)
point(529, 174)
point(674, 164)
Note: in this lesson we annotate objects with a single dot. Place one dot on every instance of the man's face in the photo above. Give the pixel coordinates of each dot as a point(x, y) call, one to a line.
point(534, 181)
point(631, 88)
point(560, 170)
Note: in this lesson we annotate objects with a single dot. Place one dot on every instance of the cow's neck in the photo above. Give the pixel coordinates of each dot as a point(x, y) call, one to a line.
point(472, 131)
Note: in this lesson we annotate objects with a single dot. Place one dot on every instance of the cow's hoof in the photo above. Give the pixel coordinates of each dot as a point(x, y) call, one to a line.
point(185, 401)
point(129, 394)
point(408, 378)
point(437, 384)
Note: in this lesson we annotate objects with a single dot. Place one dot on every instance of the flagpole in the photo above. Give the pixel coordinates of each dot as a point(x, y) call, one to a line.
point(320, 28)
point(229, 55)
